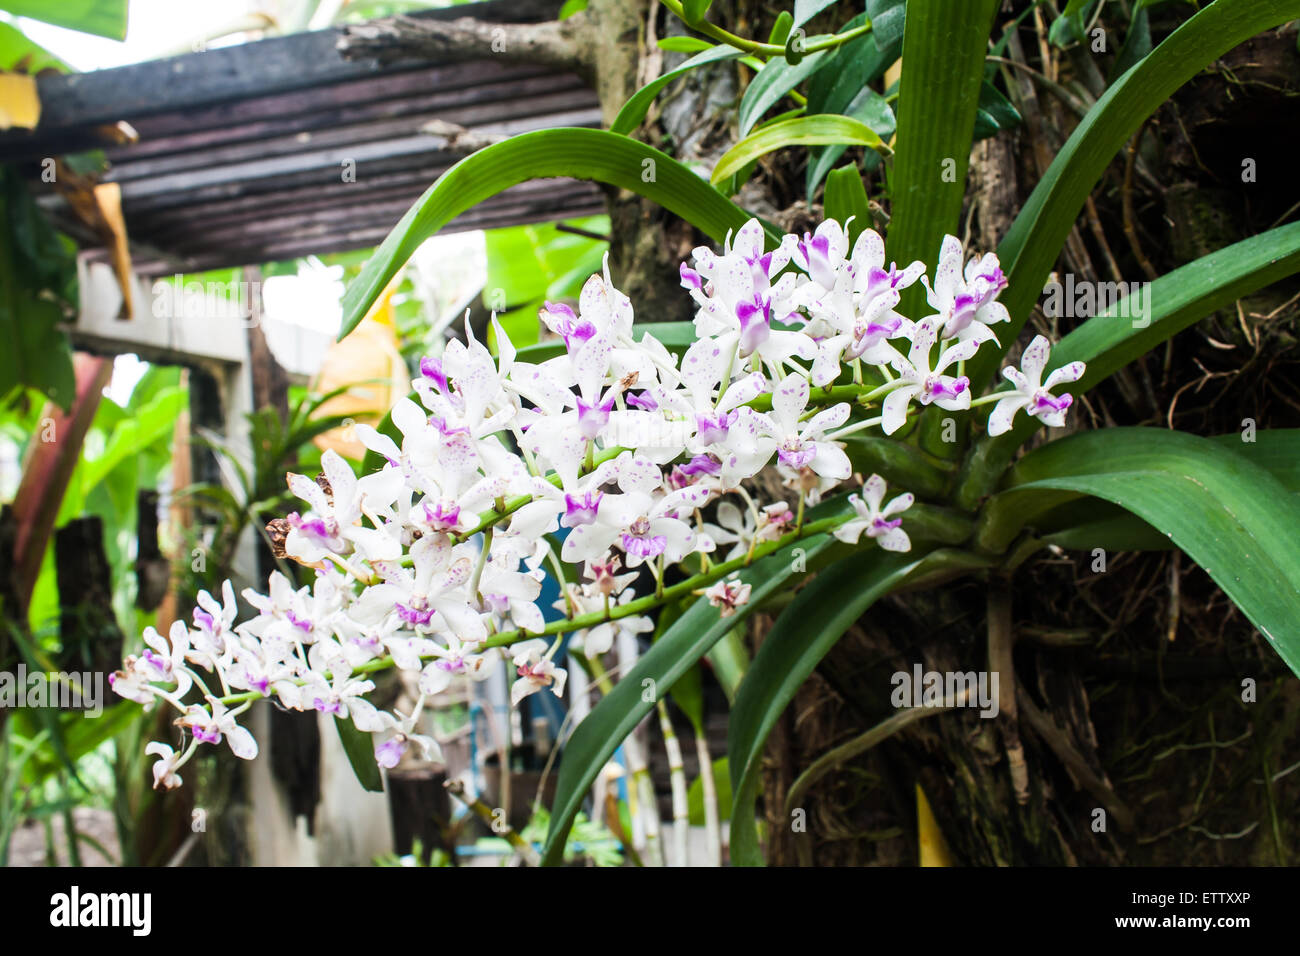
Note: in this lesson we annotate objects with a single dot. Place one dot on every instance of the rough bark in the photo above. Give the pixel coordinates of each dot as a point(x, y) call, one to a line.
point(554, 43)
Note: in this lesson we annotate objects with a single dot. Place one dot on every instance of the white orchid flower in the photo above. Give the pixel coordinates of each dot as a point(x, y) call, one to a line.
point(925, 383)
point(802, 444)
point(212, 723)
point(967, 302)
point(534, 671)
point(875, 520)
point(1031, 392)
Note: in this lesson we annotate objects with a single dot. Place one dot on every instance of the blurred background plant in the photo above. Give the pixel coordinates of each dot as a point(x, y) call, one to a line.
point(90, 445)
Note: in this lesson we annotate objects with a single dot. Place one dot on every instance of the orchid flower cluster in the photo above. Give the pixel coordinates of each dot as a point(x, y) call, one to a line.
point(609, 465)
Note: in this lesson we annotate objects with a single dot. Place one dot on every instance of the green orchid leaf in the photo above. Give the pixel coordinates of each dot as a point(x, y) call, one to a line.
point(1084, 524)
point(995, 113)
point(777, 78)
point(1228, 514)
point(635, 109)
point(580, 153)
point(694, 10)
point(684, 45)
point(361, 755)
point(869, 107)
point(802, 131)
point(781, 29)
point(1068, 27)
point(943, 46)
point(805, 10)
point(846, 198)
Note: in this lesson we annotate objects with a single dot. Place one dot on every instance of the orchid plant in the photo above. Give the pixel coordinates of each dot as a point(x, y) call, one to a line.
point(433, 564)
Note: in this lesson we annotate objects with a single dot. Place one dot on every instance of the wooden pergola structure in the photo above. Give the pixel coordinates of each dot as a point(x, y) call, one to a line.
point(283, 147)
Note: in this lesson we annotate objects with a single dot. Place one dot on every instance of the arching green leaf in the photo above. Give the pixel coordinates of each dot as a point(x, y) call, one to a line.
point(1229, 515)
point(580, 153)
point(803, 131)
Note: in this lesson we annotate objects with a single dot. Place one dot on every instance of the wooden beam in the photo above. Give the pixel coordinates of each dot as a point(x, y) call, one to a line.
point(286, 248)
point(380, 207)
point(274, 65)
point(332, 131)
point(548, 195)
point(378, 98)
point(328, 164)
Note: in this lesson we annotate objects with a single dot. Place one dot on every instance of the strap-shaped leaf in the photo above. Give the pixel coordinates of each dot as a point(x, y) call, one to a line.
point(806, 630)
point(694, 10)
point(870, 108)
point(1228, 514)
point(995, 112)
point(943, 48)
point(805, 10)
point(860, 61)
point(846, 198)
point(1102, 525)
point(821, 130)
point(1035, 238)
point(683, 44)
point(1109, 341)
point(359, 747)
point(635, 109)
point(578, 153)
point(1086, 523)
point(1068, 27)
point(777, 78)
point(594, 740)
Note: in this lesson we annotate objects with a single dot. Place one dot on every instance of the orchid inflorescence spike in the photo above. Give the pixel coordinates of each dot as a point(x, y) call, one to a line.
point(618, 446)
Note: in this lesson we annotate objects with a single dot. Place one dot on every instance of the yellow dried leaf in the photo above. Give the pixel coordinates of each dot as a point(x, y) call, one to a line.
point(934, 849)
point(19, 103)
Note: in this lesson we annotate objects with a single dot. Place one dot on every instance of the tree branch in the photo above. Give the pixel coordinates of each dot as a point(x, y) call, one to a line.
point(557, 43)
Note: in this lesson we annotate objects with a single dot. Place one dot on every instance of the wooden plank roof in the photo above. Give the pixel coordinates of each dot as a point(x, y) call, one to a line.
point(242, 150)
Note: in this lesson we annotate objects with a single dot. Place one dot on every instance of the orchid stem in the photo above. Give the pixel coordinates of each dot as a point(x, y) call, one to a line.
point(482, 561)
point(631, 608)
